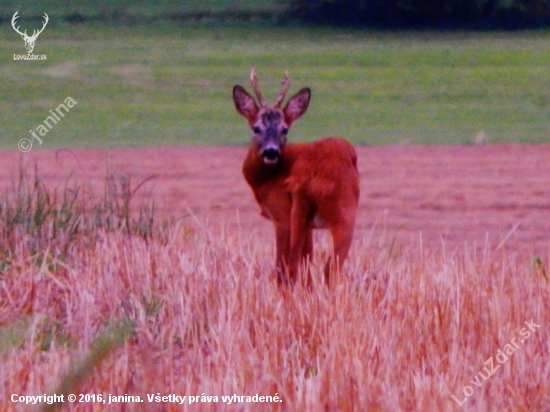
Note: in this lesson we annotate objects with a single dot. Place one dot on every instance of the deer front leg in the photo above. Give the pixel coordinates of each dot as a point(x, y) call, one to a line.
point(307, 250)
point(300, 235)
point(307, 253)
point(282, 237)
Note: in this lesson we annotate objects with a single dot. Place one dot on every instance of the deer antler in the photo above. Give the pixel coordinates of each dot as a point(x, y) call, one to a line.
point(14, 22)
point(285, 84)
point(46, 20)
point(35, 33)
point(254, 81)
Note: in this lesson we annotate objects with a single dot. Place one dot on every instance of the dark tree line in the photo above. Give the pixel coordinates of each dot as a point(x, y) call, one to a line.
point(482, 14)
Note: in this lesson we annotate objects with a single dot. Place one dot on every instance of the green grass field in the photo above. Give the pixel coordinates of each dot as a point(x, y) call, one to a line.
point(140, 8)
point(164, 84)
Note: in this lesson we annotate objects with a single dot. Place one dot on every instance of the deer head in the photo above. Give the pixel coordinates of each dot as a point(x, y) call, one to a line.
point(29, 40)
point(270, 125)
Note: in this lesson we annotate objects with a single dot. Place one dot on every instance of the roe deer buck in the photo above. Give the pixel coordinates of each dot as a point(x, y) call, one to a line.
point(298, 186)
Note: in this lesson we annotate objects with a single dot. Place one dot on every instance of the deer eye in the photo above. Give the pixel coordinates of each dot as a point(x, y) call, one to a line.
point(285, 130)
point(256, 130)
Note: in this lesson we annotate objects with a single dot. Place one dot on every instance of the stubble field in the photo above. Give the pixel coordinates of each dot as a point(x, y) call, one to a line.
point(448, 263)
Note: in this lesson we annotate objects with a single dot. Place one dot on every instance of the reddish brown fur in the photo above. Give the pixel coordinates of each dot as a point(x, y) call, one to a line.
point(310, 186)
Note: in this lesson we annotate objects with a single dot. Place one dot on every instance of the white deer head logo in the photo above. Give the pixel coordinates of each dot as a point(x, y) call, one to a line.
point(29, 40)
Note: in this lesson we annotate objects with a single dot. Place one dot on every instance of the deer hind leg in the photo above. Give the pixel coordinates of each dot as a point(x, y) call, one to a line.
point(342, 235)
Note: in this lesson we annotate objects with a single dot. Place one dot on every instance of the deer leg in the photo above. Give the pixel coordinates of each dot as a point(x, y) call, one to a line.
point(282, 237)
point(307, 250)
point(307, 254)
point(342, 235)
point(300, 235)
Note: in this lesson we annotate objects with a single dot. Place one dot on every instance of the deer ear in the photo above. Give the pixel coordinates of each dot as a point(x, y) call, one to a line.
point(245, 104)
point(297, 105)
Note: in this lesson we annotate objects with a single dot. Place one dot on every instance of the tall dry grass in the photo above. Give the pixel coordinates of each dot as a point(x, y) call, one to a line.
point(88, 307)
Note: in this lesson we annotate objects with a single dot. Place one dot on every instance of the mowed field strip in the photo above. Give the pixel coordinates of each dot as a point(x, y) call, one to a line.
point(440, 195)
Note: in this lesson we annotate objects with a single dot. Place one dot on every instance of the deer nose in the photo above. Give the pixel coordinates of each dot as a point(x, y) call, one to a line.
point(270, 155)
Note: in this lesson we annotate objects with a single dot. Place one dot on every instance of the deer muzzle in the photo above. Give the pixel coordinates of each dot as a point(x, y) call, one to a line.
point(270, 155)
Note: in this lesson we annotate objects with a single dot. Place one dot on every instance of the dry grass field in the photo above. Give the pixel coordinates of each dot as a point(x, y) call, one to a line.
point(442, 305)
